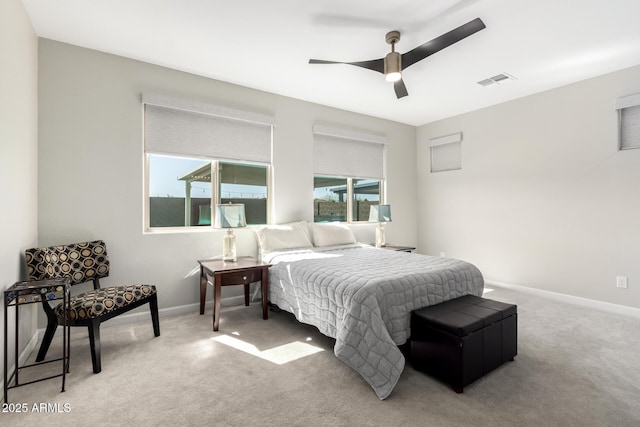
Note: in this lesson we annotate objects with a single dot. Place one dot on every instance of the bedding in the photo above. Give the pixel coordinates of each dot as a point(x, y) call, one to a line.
point(363, 296)
point(331, 235)
point(286, 236)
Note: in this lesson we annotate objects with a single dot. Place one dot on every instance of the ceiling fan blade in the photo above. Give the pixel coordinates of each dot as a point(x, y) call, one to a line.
point(400, 88)
point(441, 42)
point(374, 64)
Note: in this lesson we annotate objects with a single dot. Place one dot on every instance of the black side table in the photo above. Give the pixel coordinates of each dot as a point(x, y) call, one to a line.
point(31, 292)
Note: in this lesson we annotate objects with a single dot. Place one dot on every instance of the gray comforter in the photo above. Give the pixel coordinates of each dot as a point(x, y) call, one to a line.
point(363, 297)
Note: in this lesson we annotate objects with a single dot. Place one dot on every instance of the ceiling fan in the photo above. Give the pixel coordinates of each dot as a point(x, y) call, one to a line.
point(394, 63)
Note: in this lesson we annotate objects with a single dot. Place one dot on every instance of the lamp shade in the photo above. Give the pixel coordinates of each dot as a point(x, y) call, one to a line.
point(380, 213)
point(230, 215)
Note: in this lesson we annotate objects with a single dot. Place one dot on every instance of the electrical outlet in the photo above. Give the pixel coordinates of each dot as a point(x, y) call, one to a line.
point(621, 282)
point(442, 255)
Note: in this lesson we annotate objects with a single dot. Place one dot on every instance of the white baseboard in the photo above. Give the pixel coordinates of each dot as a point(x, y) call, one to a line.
point(584, 302)
point(31, 345)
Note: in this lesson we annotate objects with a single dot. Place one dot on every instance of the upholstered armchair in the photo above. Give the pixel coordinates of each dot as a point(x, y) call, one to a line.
point(84, 262)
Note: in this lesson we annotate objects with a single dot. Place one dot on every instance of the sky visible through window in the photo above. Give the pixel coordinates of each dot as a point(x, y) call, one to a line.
point(164, 182)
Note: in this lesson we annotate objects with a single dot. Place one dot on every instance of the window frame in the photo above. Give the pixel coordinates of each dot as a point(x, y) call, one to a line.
point(190, 129)
point(628, 119)
point(628, 105)
point(215, 193)
point(445, 153)
point(349, 195)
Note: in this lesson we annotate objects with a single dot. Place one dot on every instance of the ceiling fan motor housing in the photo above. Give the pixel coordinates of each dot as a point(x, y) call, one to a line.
point(393, 60)
point(392, 66)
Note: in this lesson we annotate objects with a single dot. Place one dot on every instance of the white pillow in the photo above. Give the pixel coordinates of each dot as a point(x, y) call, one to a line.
point(332, 234)
point(287, 236)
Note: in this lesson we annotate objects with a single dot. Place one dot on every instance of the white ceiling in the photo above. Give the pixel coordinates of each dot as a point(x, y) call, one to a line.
point(266, 45)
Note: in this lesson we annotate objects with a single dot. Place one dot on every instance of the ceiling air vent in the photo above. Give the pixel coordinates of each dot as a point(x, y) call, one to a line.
point(497, 79)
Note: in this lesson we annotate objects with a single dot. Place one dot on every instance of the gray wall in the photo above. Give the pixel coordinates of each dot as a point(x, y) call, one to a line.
point(18, 152)
point(91, 174)
point(544, 198)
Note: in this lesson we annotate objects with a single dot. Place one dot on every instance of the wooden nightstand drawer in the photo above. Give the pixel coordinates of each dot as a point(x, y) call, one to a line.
point(241, 277)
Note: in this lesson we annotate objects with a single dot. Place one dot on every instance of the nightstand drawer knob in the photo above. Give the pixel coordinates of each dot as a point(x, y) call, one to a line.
point(244, 277)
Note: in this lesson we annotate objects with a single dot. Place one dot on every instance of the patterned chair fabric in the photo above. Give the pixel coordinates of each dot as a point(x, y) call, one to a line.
point(84, 262)
point(81, 262)
point(105, 300)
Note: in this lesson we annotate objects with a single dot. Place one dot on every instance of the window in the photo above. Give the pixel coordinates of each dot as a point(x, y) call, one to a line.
point(335, 196)
point(328, 203)
point(365, 192)
point(197, 156)
point(180, 190)
point(246, 184)
point(178, 197)
point(629, 121)
point(446, 153)
point(348, 174)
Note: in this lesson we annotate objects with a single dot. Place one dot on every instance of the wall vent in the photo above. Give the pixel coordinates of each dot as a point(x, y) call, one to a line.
point(497, 79)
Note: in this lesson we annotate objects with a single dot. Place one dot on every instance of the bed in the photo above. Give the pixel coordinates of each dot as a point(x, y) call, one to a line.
point(359, 295)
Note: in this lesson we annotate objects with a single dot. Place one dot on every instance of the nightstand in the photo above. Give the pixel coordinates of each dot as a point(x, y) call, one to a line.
point(244, 271)
point(398, 248)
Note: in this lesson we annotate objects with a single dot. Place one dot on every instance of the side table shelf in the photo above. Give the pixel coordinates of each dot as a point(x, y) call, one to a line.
point(398, 248)
point(31, 292)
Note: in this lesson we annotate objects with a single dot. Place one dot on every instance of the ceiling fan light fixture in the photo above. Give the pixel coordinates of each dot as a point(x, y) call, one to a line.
point(393, 77)
point(393, 67)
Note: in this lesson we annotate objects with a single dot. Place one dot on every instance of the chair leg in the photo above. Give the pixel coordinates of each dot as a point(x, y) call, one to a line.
point(52, 325)
point(94, 342)
point(153, 307)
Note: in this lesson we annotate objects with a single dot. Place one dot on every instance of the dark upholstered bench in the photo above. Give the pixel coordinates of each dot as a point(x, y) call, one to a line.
point(460, 340)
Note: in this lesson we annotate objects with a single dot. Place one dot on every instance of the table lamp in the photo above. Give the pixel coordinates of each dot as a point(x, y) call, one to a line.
point(380, 214)
point(230, 216)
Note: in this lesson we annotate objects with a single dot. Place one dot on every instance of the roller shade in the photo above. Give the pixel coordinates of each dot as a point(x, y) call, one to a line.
point(446, 153)
point(187, 128)
point(630, 128)
point(349, 154)
point(629, 121)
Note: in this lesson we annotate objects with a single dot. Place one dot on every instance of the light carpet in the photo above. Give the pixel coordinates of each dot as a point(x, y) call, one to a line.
point(575, 367)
